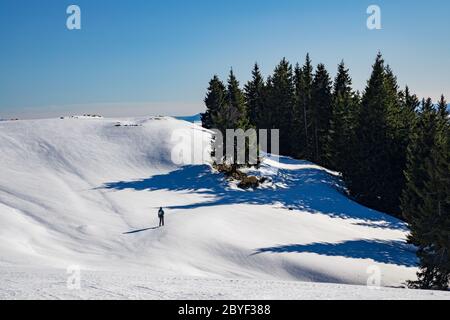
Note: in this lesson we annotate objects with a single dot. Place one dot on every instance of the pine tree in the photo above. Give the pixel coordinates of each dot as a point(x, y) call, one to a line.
point(321, 113)
point(440, 188)
point(435, 255)
point(232, 114)
point(282, 103)
point(254, 96)
point(426, 197)
point(269, 106)
point(399, 120)
point(367, 178)
point(298, 129)
point(419, 150)
point(214, 101)
point(375, 178)
point(411, 103)
point(443, 109)
point(343, 122)
point(303, 147)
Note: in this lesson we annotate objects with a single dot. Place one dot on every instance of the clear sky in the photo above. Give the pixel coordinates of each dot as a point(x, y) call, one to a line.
point(136, 57)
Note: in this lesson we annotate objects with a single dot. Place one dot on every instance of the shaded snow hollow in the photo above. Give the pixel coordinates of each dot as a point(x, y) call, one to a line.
point(85, 192)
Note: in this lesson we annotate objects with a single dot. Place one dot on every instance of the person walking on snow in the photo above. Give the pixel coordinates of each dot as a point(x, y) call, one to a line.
point(161, 217)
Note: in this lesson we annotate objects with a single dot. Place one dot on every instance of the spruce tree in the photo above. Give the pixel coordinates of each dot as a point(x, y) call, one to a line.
point(399, 120)
point(254, 96)
point(375, 177)
point(368, 178)
point(411, 103)
point(269, 106)
point(321, 113)
point(298, 129)
point(303, 147)
point(214, 101)
point(419, 150)
point(343, 122)
point(443, 111)
point(435, 255)
point(282, 104)
point(426, 197)
point(232, 114)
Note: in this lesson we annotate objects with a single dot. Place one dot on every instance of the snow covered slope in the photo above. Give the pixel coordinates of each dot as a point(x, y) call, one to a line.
point(85, 191)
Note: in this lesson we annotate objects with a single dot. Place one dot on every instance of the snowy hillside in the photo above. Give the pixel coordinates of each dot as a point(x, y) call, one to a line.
point(85, 191)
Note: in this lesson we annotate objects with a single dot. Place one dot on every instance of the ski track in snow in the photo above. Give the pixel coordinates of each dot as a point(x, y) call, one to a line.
point(85, 192)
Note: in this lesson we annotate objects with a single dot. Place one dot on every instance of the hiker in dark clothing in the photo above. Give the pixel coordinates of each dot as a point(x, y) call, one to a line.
point(161, 217)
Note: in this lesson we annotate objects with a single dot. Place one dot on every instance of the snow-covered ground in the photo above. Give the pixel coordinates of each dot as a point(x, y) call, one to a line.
point(84, 192)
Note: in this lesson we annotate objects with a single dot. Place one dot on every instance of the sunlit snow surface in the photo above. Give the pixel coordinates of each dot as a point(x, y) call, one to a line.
point(85, 192)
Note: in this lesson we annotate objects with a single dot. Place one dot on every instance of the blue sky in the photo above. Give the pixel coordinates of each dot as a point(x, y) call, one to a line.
point(141, 57)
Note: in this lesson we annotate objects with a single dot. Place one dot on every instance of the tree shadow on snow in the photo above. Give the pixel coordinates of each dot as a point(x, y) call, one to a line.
point(307, 189)
point(389, 252)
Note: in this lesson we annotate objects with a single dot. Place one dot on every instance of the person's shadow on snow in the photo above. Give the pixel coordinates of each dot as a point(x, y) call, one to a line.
point(141, 230)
